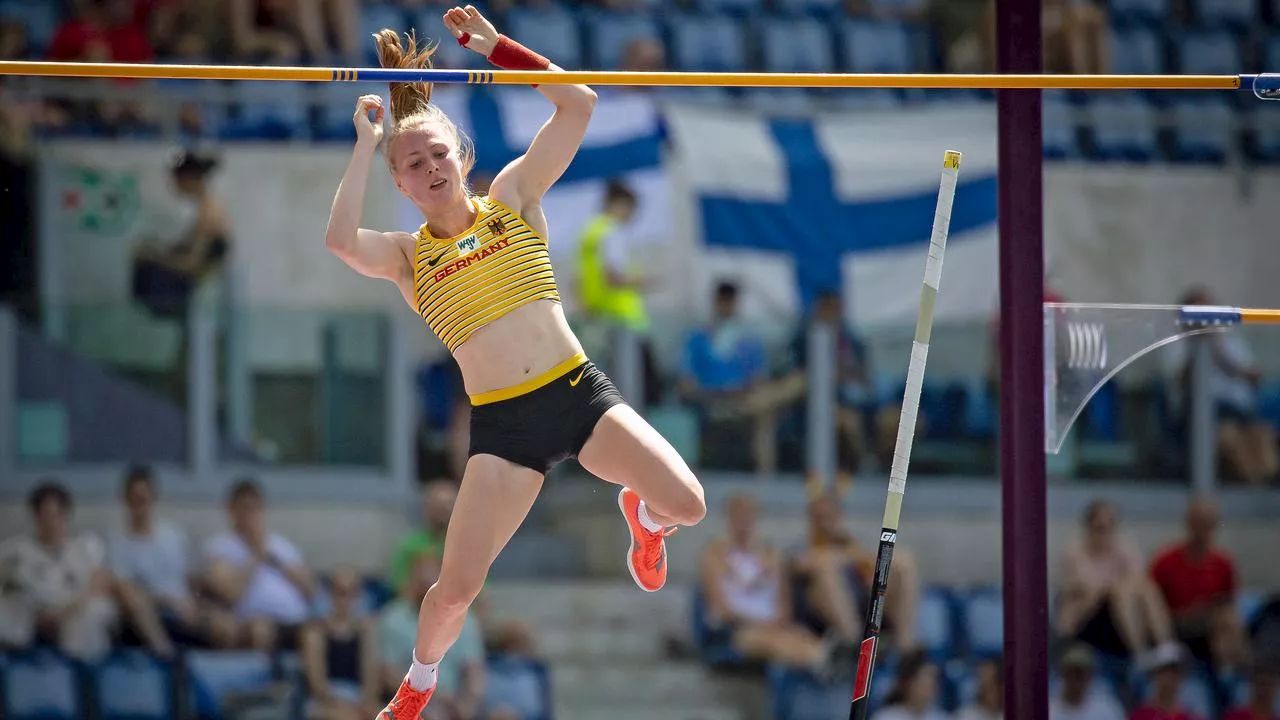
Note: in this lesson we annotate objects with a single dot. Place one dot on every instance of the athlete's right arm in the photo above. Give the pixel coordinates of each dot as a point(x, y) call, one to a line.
point(369, 252)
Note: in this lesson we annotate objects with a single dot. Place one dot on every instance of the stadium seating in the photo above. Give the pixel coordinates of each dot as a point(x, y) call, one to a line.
point(375, 16)
point(552, 31)
point(40, 18)
point(1136, 51)
point(1204, 128)
point(41, 684)
point(521, 685)
point(611, 32)
point(796, 45)
point(877, 47)
point(1210, 52)
point(1124, 127)
point(1141, 12)
point(710, 43)
point(132, 685)
point(1230, 14)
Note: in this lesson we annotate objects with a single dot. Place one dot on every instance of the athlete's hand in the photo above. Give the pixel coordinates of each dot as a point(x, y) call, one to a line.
point(483, 37)
point(369, 132)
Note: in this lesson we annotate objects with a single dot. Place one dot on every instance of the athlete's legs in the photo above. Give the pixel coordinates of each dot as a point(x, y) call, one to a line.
point(493, 501)
point(624, 449)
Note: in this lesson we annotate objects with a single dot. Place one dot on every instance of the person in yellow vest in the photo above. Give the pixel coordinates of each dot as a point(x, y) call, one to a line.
point(607, 289)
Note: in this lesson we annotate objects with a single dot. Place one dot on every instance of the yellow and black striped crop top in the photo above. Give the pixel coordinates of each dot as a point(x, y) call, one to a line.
point(466, 281)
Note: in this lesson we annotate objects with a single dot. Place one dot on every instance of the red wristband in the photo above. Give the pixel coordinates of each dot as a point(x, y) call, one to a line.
point(511, 55)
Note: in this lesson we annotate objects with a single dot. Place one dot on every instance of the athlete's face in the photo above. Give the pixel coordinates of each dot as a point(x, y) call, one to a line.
point(427, 169)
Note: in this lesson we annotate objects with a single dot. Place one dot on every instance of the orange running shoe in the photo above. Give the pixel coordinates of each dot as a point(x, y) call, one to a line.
point(647, 558)
point(407, 704)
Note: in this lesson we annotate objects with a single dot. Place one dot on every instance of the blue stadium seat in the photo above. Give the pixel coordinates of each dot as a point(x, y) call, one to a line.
point(739, 8)
point(980, 408)
point(132, 685)
point(983, 617)
point(212, 675)
point(1101, 419)
point(336, 103)
point(707, 43)
point(41, 685)
point(518, 684)
point(1142, 12)
point(1208, 53)
point(1136, 51)
point(821, 8)
point(375, 16)
point(552, 31)
point(39, 17)
point(269, 111)
point(1231, 14)
point(935, 623)
point(897, 7)
point(796, 45)
point(611, 32)
point(1204, 128)
point(1124, 127)
point(877, 47)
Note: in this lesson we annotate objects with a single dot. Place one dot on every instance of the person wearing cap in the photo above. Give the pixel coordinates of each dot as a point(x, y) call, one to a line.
point(1076, 698)
point(1165, 669)
point(1264, 695)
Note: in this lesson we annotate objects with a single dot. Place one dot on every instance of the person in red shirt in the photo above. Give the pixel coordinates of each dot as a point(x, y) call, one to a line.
point(105, 31)
point(1165, 675)
point(1264, 694)
point(1199, 585)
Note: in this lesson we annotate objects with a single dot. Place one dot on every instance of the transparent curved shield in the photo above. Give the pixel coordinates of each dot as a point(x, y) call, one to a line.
point(1267, 86)
point(1086, 344)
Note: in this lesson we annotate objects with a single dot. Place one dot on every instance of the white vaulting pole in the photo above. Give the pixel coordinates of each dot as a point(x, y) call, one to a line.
point(906, 433)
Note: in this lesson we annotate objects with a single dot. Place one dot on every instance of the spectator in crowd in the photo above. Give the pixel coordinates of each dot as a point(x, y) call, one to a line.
point(438, 497)
point(855, 387)
point(725, 375)
point(340, 656)
point(63, 580)
point(286, 31)
point(169, 272)
point(831, 579)
point(105, 31)
point(1246, 442)
point(914, 694)
point(609, 289)
point(258, 574)
point(1198, 582)
point(748, 603)
point(1107, 599)
point(1264, 692)
point(643, 55)
point(460, 689)
point(989, 703)
point(1164, 672)
point(1074, 34)
point(148, 556)
point(1077, 699)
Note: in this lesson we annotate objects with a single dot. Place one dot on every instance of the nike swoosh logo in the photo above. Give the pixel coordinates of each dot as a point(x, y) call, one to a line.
point(432, 262)
point(574, 382)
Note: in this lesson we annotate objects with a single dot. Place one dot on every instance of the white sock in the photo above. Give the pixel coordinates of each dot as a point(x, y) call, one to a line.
point(645, 520)
point(422, 676)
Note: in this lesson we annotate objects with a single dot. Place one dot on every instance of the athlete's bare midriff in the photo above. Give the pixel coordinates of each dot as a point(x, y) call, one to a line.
point(516, 347)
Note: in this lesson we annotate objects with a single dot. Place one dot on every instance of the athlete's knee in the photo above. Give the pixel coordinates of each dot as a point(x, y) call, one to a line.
point(453, 595)
point(687, 505)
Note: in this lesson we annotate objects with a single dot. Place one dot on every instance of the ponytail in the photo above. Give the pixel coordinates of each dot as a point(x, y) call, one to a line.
point(407, 99)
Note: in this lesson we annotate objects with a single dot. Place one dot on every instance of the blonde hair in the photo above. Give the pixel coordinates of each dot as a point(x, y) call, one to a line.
point(411, 106)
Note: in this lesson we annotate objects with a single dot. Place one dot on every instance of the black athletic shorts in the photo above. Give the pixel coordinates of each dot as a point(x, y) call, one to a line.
point(548, 424)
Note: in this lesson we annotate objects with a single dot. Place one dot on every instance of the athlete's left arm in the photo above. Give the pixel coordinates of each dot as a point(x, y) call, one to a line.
point(529, 176)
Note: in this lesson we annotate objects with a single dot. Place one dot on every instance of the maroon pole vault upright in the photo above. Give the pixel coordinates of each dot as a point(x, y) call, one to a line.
point(1022, 405)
